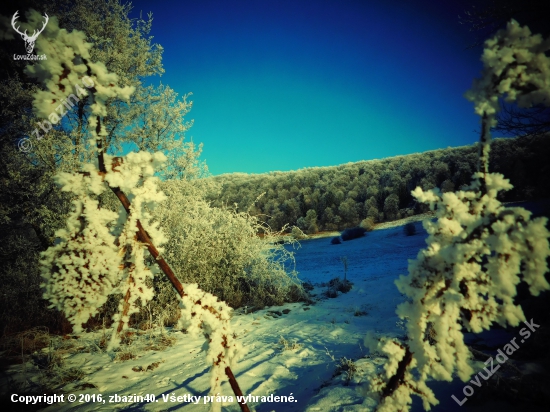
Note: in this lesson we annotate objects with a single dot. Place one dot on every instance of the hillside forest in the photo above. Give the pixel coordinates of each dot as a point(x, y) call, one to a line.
point(338, 197)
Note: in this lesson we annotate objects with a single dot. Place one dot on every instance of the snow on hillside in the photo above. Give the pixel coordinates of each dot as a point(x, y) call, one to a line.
point(299, 350)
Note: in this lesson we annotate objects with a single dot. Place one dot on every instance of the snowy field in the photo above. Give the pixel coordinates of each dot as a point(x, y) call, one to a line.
point(321, 339)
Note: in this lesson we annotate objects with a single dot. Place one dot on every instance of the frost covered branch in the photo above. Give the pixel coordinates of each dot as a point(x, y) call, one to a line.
point(478, 250)
point(516, 68)
point(101, 252)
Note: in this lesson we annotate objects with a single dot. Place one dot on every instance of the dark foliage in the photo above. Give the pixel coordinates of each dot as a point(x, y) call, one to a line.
point(353, 233)
point(336, 240)
point(331, 293)
point(307, 286)
point(343, 286)
point(409, 229)
point(337, 285)
point(514, 121)
point(486, 17)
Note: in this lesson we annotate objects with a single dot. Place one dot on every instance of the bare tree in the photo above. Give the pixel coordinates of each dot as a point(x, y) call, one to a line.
point(487, 17)
point(516, 121)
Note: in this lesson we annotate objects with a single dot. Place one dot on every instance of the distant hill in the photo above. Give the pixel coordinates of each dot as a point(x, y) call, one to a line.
point(336, 197)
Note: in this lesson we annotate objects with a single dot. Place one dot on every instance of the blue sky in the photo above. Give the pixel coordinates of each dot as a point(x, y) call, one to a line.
point(283, 85)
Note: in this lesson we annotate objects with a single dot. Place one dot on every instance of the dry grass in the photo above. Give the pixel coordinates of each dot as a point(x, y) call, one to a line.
point(148, 368)
point(49, 355)
point(19, 346)
point(134, 342)
point(346, 367)
point(125, 355)
point(286, 345)
point(160, 342)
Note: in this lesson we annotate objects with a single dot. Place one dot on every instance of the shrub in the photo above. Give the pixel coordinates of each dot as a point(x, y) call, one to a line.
point(343, 286)
point(367, 224)
point(219, 249)
point(357, 311)
point(336, 240)
point(297, 233)
point(287, 345)
point(331, 293)
point(313, 228)
point(346, 367)
point(308, 286)
point(336, 285)
point(353, 233)
point(409, 229)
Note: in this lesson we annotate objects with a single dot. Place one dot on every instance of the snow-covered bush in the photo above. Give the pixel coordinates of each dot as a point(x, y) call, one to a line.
point(80, 271)
point(220, 250)
point(478, 250)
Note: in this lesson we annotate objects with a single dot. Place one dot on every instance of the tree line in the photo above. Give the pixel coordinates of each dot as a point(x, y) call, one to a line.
point(336, 197)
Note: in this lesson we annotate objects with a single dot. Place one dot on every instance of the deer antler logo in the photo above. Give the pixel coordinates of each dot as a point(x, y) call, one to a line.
point(29, 40)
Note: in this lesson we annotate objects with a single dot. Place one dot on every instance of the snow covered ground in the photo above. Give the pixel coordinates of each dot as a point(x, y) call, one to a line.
point(299, 350)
